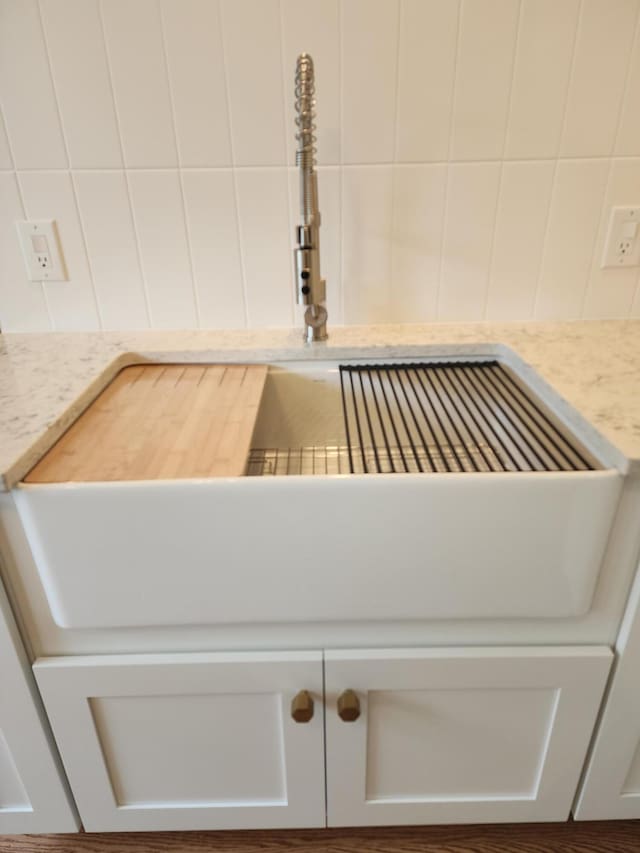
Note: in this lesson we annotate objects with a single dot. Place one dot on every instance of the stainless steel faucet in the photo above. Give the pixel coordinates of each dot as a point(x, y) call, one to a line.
point(310, 286)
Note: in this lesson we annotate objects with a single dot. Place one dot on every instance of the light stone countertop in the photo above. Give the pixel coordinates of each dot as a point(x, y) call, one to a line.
point(46, 380)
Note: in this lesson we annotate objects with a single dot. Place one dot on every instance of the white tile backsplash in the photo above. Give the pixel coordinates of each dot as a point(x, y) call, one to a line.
point(367, 204)
point(26, 88)
point(426, 73)
point(72, 304)
point(469, 152)
point(576, 203)
point(486, 53)
point(212, 219)
point(523, 206)
point(104, 206)
point(540, 77)
point(369, 63)
point(158, 214)
point(472, 195)
point(603, 45)
point(133, 33)
point(628, 140)
point(418, 206)
point(75, 41)
point(198, 83)
point(610, 292)
point(263, 215)
point(23, 306)
point(253, 55)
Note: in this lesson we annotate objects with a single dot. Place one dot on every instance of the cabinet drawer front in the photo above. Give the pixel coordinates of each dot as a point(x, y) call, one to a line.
point(459, 735)
point(196, 741)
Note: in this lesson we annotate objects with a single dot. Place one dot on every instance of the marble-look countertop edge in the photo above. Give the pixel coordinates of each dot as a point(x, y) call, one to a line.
point(587, 371)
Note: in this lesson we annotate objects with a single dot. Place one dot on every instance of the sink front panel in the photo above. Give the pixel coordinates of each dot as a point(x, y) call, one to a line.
point(319, 549)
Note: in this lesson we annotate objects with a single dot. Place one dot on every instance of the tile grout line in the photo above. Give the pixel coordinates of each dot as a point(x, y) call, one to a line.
point(505, 137)
point(243, 267)
point(394, 211)
point(378, 164)
point(603, 212)
point(69, 170)
point(174, 127)
point(125, 170)
point(557, 160)
point(447, 163)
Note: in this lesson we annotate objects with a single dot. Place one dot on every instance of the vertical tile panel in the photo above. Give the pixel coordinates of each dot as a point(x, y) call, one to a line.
point(471, 207)
point(26, 90)
point(135, 50)
point(483, 80)
point(418, 205)
point(330, 237)
point(611, 291)
point(213, 231)
point(628, 141)
point(76, 46)
point(427, 58)
point(597, 83)
point(159, 222)
point(523, 206)
point(72, 304)
point(5, 154)
point(251, 34)
point(320, 40)
point(573, 223)
point(541, 77)
point(197, 79)
point(369, 77)
point(367, 193)
point(263, 206)
point(104, 207)
point(22, 305)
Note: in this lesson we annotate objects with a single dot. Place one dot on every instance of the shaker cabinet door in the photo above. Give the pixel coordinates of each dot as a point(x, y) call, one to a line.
point(189, 741)
point(419, 736)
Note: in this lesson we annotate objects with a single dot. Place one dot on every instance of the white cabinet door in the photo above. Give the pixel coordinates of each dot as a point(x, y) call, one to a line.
point(34, 796)
point(459, 735)
point(611, 784)
point(192, 741)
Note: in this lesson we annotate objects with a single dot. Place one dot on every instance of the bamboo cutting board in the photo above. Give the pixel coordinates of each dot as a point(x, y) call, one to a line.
point(160, 422)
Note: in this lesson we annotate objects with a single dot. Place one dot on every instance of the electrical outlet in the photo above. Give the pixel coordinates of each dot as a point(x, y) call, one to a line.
point(41, 250)
point(622, 246)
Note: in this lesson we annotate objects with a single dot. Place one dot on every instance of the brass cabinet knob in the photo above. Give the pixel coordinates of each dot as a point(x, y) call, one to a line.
point(348, 706)
point(302, 707)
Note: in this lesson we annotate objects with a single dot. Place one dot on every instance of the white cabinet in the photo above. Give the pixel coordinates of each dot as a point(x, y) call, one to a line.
point(33, 792)
point(189, 741)
point(208, 741)
point(611, 785)
point(460, 735)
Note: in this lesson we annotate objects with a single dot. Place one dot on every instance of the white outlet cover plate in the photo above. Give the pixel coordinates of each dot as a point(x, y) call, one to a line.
point(41, 250)
point(619, 249)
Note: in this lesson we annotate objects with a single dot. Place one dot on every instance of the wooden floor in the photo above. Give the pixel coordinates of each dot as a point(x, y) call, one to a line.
point(604, 837)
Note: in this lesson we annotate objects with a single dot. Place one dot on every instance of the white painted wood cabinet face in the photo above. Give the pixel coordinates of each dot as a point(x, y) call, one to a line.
point(195, 741)
point(201, 741)
point(611, 784)
point(460, 735)
point(34, 796)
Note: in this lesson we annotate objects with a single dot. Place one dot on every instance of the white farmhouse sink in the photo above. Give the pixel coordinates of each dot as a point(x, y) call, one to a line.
point(319, 547)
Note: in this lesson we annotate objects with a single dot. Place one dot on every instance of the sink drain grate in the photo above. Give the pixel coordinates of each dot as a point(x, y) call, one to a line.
point(449, 417)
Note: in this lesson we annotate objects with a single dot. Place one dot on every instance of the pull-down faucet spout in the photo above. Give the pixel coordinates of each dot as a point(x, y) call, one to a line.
point(310, 286)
